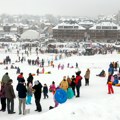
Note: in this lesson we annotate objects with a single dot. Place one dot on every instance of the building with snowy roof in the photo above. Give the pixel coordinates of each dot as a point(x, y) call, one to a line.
point(86, 24)
point(104, 30)
point(68, 31)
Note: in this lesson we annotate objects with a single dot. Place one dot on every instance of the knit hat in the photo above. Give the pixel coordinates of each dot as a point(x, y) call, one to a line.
point(73, 76)
point(78, 73)
point(36, 82)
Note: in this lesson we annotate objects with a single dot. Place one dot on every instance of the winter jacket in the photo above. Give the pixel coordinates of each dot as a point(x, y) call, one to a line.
point(21, 90)
point(52, 88)
point(38, 90)
point(30, 79)
point(45, 89)
point(87, 75)
point(9, 91)
point(69, 81)
point(78, 80)
point(73, 83)
point(29, 91)
point(5, 78)
point(111, 70)
point(20, 78)
point(64, 84)
point(2, 92)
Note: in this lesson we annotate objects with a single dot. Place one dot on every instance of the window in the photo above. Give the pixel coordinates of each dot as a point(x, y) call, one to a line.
point(106, 27)
point(68, 26)
point(76, 27)
point(60, 26)
point(98, 27)
point(114, 27)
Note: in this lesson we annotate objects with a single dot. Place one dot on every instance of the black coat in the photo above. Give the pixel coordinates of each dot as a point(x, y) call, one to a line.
point(20, 79)
point(30, 79)
point(38, 90)
point(21, 90)
point(73, 83)
point(45, 89)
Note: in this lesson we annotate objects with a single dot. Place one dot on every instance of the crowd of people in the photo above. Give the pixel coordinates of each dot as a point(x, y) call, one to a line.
point(26, 89)
point(29, 87)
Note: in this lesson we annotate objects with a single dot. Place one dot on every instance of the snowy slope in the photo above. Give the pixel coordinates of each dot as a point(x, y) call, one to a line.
point(94, 103)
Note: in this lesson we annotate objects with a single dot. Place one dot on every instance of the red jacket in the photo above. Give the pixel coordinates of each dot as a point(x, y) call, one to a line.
point(78, 80)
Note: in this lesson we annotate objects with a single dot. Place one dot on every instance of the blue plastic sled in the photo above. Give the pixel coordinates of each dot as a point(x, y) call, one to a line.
point(70, 93)
point(60, 96)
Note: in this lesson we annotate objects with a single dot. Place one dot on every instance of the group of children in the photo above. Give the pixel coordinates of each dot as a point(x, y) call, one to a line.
point(113, 79)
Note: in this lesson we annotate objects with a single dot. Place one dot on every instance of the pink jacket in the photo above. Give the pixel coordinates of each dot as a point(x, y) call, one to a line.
point(52, 87)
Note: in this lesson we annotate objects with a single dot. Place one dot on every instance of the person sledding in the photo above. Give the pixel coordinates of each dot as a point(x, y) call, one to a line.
point(102, 74)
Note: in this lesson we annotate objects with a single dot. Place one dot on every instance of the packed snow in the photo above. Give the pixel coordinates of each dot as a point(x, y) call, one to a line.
point(93, 104)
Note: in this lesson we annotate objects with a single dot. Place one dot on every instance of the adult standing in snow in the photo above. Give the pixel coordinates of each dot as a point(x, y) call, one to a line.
point(111, 69)
point(78, 83)
point(10, 95)
point(64, 84)
point(5, 78)
point(30, 79)
point(37, 71)
point(87, 77)
point(37, 94)
point(22, 95)
point(20, 77)
point(42, 63)
point(2, 97)
point(76, 65)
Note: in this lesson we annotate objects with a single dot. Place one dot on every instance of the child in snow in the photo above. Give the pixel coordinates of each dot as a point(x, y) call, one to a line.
point(56, 103)
point(29, 93)
point(52, 87)
point(109, 82)
point(45, 91)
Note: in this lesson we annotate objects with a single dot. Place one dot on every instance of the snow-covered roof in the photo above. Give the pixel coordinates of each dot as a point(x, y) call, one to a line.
point(105, 26)
point(13, 28)
point(86, 22)
point(30, 34)
point(48, 24)
point(1, 28)
point(69, 19)
point(68, 26)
